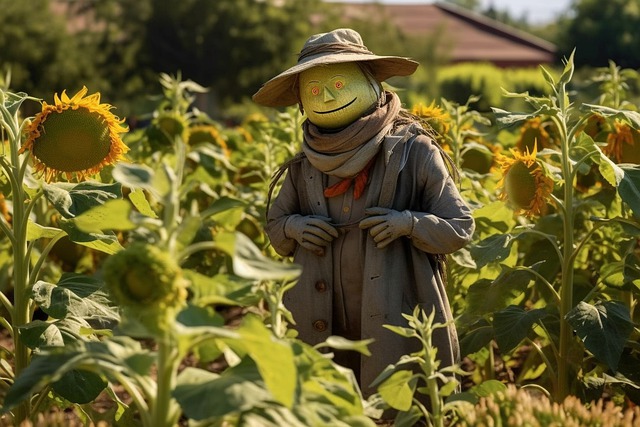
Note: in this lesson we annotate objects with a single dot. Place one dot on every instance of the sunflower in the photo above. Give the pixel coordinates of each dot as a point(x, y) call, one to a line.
point(623, 144)
point(437, 118)
point(479, 156)
point(533, 133)
point(525, 184)
point(75, 136)
point(209, 134)
point(165, 127)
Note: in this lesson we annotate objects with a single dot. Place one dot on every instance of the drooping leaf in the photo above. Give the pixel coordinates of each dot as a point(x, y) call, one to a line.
point(80, 386)
point(139, 177)
point(506, 118)
point(106, 242)
point(488, 296)
point(75, 295)
point(513, 324)
point(629, 188)
point(630, 116)
point(139, 200)
point(239, 388)
point(250, 263)
point(492, 249)
point(603, 328)
point(112, 215)
point(72, 201)
point(41, 371)
point(222, 204)
point(341, 343)
point(476, 339)
point(494, 217)
point(221, 289)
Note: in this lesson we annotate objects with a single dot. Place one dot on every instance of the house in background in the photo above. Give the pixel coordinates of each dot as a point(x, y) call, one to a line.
point(467, 36)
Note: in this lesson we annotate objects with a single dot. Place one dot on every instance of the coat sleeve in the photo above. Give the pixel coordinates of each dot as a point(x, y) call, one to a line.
point(443, 223)
point(286, 204)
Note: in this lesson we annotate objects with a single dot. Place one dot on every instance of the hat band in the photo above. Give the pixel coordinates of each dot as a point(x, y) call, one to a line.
point(332, 48)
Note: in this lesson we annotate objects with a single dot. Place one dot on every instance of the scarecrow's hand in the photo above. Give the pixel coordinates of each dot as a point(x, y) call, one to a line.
point(312, 232)
point(386, 225)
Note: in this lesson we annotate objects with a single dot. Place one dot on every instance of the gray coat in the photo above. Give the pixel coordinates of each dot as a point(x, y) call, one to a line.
point(410, 175)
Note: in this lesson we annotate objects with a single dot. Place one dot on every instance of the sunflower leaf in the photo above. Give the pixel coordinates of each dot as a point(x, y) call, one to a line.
point(113, 215)
point(72, 201)
point(604, 329)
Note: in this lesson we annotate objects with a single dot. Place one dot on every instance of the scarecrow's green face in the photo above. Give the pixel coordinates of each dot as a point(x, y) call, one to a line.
point(335, 95)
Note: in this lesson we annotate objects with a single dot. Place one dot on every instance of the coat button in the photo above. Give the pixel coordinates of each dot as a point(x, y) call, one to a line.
point(320, 325)
point(321, 286)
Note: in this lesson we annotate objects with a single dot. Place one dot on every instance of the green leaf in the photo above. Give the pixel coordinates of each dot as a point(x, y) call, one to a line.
point(39, 333)
point(506, 118)
point(76, 295)
point(104, 242)
point(222, 204)
point(492, 249)
point(629, 188)
point(630, 116)
point(488, 388)
point(513, 324)
point(36, 231)
point(623, 274)
point(250, 263)
point(341, 343)
point(139, 200)
point(476, 339)
point(79, 386)
point(604, 329)
point(221, 289)
point(41, 371)
point(273, 357)
point(237, 389)
point(112, 215)
point(398, 389)
point(486, 296)
point(494, 217)
point(567, 72)
point(138, 177)
point(72, 201)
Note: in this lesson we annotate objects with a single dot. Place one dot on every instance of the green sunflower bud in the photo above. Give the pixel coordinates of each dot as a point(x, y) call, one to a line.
point(146, 282)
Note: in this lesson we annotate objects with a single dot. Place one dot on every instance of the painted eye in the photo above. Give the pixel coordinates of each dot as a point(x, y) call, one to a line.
point(339, 84)
point(315, 91)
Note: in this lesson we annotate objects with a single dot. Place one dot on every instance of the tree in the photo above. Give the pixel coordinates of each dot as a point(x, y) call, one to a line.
point(42, 56)
point(602, 31)
point(232, 46)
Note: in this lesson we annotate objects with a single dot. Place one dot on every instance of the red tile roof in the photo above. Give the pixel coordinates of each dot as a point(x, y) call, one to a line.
point(467, 36)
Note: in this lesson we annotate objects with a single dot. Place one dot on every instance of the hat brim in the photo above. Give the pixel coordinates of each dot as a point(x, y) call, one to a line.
point(281, 90)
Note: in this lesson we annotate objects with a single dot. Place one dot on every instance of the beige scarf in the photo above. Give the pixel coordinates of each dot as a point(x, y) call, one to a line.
point(348, 151)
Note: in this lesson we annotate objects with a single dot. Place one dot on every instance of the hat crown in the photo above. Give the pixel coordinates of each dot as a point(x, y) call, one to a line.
point(342, 40)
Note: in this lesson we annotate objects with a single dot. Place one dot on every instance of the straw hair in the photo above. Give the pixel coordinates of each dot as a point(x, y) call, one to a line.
point(337, 46)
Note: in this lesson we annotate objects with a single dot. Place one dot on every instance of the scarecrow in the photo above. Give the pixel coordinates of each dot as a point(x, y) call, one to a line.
point(368, 208)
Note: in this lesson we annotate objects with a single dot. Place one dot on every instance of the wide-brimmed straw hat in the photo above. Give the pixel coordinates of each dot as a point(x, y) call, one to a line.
point(337, 46)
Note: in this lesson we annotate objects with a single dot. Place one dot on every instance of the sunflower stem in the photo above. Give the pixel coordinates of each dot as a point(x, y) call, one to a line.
point(566, 285)
point(164, 410)
point(20, 315)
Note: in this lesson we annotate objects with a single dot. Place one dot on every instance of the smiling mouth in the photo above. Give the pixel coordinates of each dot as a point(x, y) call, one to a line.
point(336, 109)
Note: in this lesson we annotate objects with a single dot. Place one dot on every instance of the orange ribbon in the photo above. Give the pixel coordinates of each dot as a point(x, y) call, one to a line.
point(361, 180)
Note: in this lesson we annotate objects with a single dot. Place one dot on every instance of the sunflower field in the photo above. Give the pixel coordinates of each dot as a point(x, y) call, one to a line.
point(139, 289)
